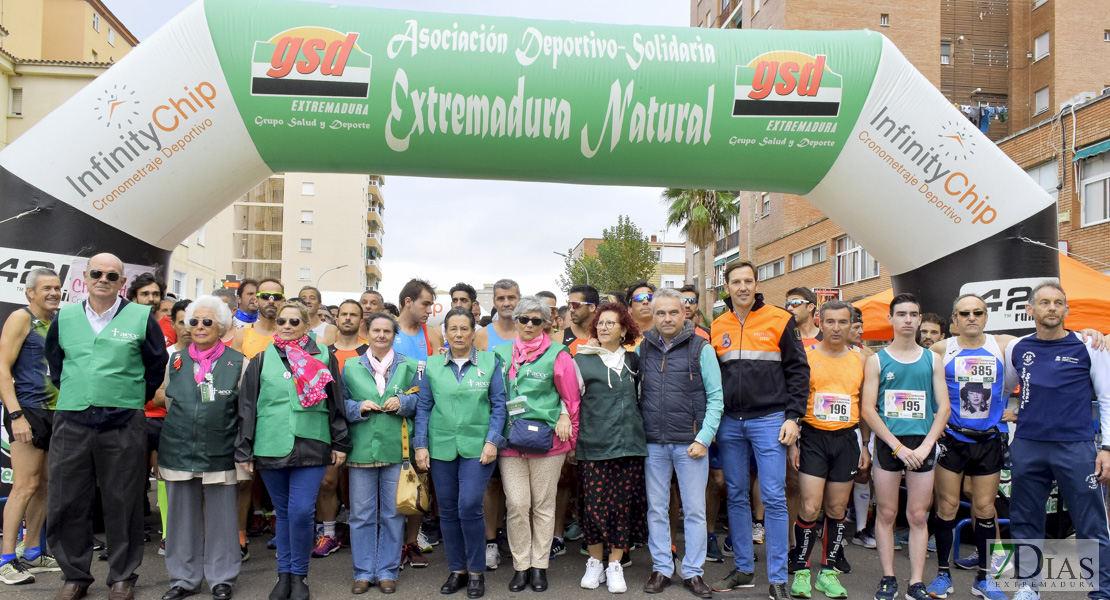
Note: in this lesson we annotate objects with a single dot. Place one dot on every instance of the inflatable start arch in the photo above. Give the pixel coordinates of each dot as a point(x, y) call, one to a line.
point(232, 91)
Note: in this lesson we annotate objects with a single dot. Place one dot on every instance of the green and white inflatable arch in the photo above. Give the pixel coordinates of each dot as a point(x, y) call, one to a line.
point(232, 91)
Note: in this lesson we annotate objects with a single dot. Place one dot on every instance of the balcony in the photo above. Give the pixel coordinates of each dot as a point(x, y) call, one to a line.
point(374, 243)
point(374, 217)
point(373, 269)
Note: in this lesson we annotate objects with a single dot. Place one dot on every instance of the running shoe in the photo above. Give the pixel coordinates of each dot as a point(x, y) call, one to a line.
point(917, 592)
point(1026, 593)
point(595, 574)
point(413, 556)
point(971, 561)
point(713, 550)
point(726, 548)
point(758, 533)
point(43, 564)
point(493, 557)
point(841, 565)
point(573, 533)
point(866, 538)
point(802, 588)
point(941, 585)
point(423, 543)
point(888, 589)
point(14, 573)
point(558, 547)
point(829, 584)
point(325, 546)
point(988, 589)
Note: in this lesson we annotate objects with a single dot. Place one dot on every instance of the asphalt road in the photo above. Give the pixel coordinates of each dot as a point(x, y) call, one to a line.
point(330, 577)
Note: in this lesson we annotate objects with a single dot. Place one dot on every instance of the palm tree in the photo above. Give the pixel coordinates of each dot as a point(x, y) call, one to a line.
point(703, 215)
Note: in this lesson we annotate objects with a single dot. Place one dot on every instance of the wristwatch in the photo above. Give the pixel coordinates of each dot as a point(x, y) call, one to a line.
point(1105, 447)
point(15, 414)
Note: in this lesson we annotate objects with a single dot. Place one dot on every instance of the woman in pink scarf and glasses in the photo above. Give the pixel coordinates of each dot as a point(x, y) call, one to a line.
point(541, 385)
point(198, 455)
point(293, 426)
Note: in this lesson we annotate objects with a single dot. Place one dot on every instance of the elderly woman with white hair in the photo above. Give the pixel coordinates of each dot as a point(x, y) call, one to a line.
point(541, 385)
point(197, 458)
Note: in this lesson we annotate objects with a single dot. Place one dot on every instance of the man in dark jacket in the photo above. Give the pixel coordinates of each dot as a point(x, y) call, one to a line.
point(766, 387)
point(680, 399)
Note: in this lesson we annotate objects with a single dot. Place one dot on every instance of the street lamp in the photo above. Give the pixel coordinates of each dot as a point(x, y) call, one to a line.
point(325, 273)
point(584, 269)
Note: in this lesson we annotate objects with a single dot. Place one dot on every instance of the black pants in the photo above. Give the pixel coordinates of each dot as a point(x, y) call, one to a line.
point(82, 459)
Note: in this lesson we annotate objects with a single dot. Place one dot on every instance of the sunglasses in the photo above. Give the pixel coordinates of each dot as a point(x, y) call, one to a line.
point(294, 321)
point(689, 300)
point(641, 297)
point(574, 305)
point(268, 296)
point(195, 322)
point(796, 302)
point(968, 313)
point(111, 275)
point(533, 320)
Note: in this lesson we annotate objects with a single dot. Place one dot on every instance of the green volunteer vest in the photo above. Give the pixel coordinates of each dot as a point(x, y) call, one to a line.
point(378, 438)
point(610, 424)
point(107, 369)
point(200, 436)
point(459, 422)
point(536, 382)
point(281, 418)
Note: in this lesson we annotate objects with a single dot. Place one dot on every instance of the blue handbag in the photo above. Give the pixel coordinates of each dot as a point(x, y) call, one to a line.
point(532, 437)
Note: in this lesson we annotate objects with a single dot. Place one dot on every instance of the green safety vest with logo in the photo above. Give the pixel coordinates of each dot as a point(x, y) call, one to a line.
point(281, 418)
point(106, 369)
point(536, 382)
point(199, 436)
point(378, 438)
point(459, 423)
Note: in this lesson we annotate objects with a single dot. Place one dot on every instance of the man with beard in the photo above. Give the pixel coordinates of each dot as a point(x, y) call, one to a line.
point(247, 312)
point(371, 302)
point(582, 303)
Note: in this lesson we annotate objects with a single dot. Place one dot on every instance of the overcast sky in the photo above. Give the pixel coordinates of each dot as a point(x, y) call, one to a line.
point(481, 230)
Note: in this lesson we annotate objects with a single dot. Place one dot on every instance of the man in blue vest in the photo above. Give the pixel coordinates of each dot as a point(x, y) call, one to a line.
point(107, 357)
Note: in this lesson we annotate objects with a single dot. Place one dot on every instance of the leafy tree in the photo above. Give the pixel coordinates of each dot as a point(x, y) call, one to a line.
point(623, 256)
point(704, 215)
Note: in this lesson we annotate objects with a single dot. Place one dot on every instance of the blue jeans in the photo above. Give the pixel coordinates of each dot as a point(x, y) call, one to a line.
point(693, 474)
point(460, 489)
point(376, 533)
point(738, 440)
point(294, 491)
point(1070, 464)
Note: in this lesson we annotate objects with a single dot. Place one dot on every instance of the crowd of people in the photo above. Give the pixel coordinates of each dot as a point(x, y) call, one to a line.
point(259, 412)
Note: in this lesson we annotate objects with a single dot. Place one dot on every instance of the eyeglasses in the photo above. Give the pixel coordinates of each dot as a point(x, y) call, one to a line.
point(294, 321)
point(689, 300)
point(575, 305)
point(968, 313)
point(111, 275)
point(606, 325)
point(641, 297)
point(533, 320)
point(207, 322)
point(796, 302)
point(268, 296)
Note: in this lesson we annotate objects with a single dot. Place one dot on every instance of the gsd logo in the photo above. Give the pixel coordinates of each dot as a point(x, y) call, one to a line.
point(787, 84)
point(311, 61)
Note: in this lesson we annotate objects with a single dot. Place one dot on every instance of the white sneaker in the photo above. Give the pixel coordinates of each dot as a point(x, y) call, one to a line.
point(615, 574)
point(758, 533)
point(422, 542)
point(493, 557)
point(1026, 593)
point(595, 574)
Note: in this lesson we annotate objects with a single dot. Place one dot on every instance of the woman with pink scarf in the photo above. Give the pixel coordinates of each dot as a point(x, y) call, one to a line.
point(293, 426)
point(541, 385)
point(198, 455)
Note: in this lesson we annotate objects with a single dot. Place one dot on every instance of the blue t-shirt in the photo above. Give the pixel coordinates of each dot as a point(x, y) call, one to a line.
point(412, 346)
point(1059, 379)
point(975, 380)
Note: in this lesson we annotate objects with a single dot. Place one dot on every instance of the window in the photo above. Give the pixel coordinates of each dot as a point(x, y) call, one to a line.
point(308, 188)
point(306, 245)
point(96, 22)
point(1040, 46)
point(724, 6)
point(807, 257)
point(884, 20)
point(1046, 175)
point(93, 56)
point(198, 287)
point(201, 235)
point(853, 263)
point(755, 6)
point(305, 274)
point(306, 216)
point(111, 37)
point(765, 201)
point(1095, 185)
point(771, 269)
point(179, 283)
point(946, 53)
point(1041, 101)
point(15, 102)
point(1106, 35)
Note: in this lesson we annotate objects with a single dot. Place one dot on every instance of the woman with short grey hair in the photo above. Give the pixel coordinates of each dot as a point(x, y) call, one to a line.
point(541, 384)
point(197, 456)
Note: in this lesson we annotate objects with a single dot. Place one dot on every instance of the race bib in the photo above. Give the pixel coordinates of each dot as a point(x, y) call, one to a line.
point(904, 404)
point(832, 408)
point(979, 369)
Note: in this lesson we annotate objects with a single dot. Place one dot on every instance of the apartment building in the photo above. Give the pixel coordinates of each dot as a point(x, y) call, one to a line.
point(981, 54)
point(320, 229)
